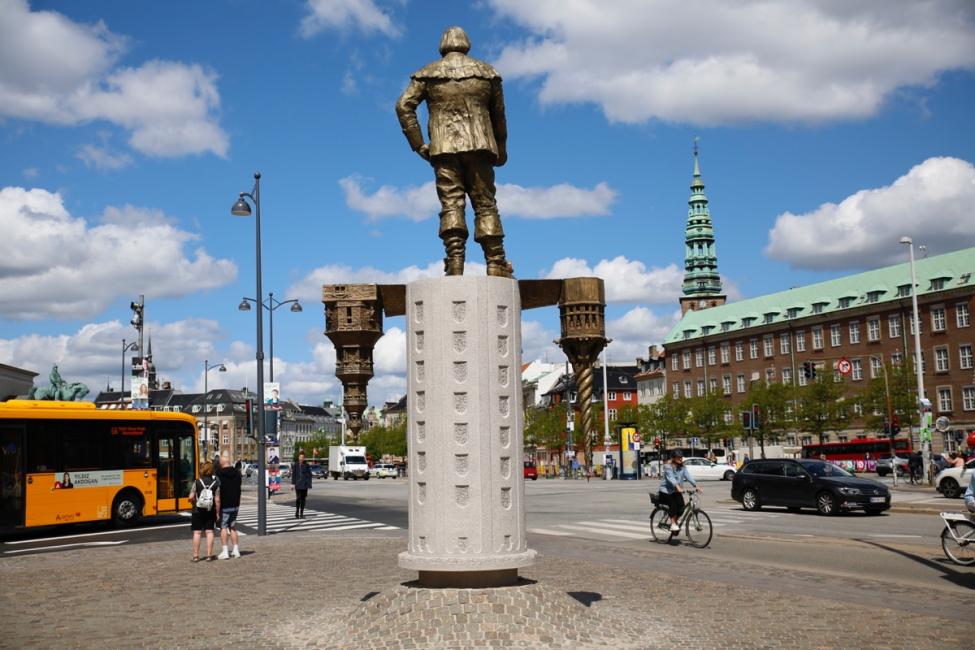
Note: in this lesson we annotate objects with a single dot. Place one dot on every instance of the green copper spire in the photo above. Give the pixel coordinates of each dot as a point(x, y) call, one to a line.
point(701, 277)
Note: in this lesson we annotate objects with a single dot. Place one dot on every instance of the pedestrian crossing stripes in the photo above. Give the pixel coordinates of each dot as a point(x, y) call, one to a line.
point(281, 519)
point(625, 529)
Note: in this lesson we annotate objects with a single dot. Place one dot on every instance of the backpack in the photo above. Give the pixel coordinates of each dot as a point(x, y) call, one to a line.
point(204, 500)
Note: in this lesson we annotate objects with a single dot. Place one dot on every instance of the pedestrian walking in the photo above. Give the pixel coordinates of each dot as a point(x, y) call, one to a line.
point(205, 497)
point(229, 477)
point(300, 484)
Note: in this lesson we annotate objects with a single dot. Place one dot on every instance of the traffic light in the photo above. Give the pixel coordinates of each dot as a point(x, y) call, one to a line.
point(746, 420)
point(809, 369)
point(895, 426)
point(756, 416)
point(886, 427)
point(138, 312)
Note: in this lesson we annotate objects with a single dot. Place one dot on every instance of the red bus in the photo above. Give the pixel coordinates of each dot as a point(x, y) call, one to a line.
point(853, 454)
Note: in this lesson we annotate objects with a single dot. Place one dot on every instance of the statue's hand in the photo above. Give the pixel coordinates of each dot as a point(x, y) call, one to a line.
point(502, 156)
point(424, 152)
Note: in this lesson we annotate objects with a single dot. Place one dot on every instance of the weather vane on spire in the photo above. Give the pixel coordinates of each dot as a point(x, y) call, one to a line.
point(696, 140)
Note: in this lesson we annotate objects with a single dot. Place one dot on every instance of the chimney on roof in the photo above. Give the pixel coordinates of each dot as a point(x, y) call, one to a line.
point(167, 385)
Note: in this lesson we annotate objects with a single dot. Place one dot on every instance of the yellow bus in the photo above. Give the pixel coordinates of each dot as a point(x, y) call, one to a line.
point(69, 462)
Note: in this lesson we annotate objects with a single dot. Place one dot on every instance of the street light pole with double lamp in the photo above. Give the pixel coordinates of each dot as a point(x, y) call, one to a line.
point(206, 403)
point(134, 345)
point(923, 404)
point(270, 305)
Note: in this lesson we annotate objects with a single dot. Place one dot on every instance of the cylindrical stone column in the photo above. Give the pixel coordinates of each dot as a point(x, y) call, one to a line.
point(467, 514)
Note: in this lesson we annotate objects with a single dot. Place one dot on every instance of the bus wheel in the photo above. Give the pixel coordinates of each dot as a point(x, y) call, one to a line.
point(127, 508)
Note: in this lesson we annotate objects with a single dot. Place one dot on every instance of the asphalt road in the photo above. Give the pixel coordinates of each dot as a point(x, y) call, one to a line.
point(891, 558)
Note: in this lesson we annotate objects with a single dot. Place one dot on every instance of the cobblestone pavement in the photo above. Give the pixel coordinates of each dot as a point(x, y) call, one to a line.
point(289, 591)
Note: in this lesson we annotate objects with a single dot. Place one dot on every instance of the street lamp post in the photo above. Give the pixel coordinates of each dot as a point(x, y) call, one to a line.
point(242, 209)
point(134, 345)
point(206, 403)
point(922, 414)
point(270, 305)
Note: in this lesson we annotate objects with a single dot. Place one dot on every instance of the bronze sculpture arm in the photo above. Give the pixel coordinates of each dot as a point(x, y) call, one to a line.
point(499, 122)
point(406, 112)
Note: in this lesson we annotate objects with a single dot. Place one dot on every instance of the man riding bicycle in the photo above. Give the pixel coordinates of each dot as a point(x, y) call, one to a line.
point(970, 495)
point(671, 488)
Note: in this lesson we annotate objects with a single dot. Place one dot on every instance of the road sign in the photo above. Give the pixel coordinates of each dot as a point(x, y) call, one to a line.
point(636, 438)
point(941, 424)
point(844, 366)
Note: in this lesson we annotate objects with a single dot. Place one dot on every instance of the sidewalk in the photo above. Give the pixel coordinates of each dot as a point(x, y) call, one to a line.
point(288, 591)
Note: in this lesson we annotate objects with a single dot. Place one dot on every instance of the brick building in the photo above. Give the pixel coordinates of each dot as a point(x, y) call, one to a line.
point(865, 318)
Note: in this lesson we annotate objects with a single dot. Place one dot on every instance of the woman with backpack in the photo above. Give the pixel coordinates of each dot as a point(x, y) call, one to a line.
point(205, 497)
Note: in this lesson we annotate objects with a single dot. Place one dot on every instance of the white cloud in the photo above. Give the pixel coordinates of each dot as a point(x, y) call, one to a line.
point(53, 265)
point(714, 62)
point(537, 343)
point(362, 15)
point(931, 203)
point(635, 331)
point(420, 202)
point(57, 71)
point(626, 280)
point(103, 158)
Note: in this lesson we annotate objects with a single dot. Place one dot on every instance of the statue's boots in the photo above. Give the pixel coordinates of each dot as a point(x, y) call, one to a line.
point(454, 245)
point(497, 264)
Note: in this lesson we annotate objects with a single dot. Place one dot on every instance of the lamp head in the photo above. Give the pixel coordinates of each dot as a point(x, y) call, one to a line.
point(222, 368)
point(907, 240)
point(241, 208)
point(244, 305)
point(296, 307)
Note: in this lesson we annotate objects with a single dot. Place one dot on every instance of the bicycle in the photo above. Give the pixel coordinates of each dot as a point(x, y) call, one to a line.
point(958, 538)
point(696, 522)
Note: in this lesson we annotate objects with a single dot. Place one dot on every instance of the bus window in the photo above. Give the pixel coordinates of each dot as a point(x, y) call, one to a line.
point(11, 473)
point(166, 469)
point(42, 453)
point(187, 472)
point(82, 442)
point(130, 446)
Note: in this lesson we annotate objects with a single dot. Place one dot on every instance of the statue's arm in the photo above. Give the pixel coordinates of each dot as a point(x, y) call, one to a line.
point(499, 122)
point(406, 112)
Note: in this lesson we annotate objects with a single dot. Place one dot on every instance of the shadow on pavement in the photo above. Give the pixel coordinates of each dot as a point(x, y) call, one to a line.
point(949, 572)
point(587, 598)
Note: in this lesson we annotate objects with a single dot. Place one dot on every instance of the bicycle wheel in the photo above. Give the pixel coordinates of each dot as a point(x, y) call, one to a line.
point(961, 552)
point(660, 525)
point(698, 529)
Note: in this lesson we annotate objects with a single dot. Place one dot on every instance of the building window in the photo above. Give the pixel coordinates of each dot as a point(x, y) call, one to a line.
point(873, 329)
point(699, 357)
point(846, 302)
point(674, 363)
point(818, 307)
point(944, 399)
point(769, 318)
point(676, 388)
point(854, 333)
point(938, 319)
point(612, 414)
point(739, 351)
point(740, 381)
point(876, 367)
point(835, 337)
point(787, 375)
point(712, 355)
point(713, 384)
point(627, 396)
point(793, 312)
point(904, 291)
point(941, 359)
point(858, 409)
point(784, 343)
point(725, 352)
point(726, 326)
point(800, 337)
point(914, 360)
point(700, 388)
point(962, 317)
point(911, 321)
point(937, 284)
point(968, 398)
point(726, 384)
point(769, 375)
point(769, 344)
point(894, 325)
point(873, 296)
point(817, 338)
point(896, 358)
point(688, 334)
point(611, 396)
point(727, 417)
point(857, 370)
point(802, 378)
point(753, 348)
point(687, 359)
point(965, 356)
point(837, 377)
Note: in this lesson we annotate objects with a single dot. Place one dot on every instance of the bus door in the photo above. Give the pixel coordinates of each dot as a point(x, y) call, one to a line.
point(11, 475)
point(176, 470)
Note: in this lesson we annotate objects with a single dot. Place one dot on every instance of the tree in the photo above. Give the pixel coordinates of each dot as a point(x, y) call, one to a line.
point(382, 441)
point(774, 416)
point(821, 408)
point(667, 418)
point(705, 417)
point(903, 396)
point(545, 427)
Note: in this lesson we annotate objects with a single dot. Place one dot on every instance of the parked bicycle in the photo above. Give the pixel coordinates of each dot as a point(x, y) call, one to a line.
point(958, 538)
point(694, 521)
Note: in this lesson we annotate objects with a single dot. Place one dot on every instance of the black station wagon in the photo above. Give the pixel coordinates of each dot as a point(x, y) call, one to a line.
point(797, 484)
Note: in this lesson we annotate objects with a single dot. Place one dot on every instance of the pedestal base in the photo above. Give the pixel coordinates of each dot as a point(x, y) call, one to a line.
point(468, 579)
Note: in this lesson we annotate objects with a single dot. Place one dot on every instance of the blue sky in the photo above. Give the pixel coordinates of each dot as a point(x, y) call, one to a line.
point(128, 129)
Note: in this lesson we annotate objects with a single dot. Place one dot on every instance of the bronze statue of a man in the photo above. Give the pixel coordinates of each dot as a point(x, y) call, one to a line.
point(468, 138)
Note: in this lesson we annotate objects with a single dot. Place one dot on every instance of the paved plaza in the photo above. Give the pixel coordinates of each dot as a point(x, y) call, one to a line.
point(296, 590)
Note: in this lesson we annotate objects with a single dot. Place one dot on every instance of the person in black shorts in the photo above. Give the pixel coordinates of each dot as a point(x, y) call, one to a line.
point(203, 519)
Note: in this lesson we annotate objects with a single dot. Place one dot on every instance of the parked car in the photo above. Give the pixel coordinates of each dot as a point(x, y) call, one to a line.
point(530, 470)
point(383, 470)
point(953, 481)
point(701, 469)
point(805, 483)
point(317, 471)
point(885, 465)
point(284, 469)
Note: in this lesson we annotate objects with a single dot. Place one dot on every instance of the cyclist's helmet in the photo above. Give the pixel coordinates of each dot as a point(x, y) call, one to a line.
point(677, 454)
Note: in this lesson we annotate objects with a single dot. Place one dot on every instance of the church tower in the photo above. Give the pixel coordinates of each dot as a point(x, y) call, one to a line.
point(702, 284)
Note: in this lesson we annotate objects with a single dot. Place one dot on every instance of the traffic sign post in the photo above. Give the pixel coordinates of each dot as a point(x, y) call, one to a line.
point(843, 366)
